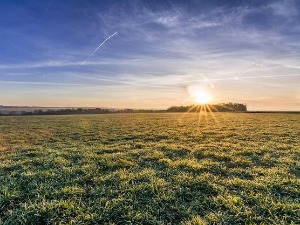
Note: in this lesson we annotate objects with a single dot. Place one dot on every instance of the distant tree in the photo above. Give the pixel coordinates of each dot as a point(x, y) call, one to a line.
point(222, 107)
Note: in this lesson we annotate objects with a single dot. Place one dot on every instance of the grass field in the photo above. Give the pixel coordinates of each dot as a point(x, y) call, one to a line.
point(230, 168)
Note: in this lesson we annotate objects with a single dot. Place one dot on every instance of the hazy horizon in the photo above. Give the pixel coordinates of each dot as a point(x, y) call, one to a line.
point(150, 54)
point(105, 107)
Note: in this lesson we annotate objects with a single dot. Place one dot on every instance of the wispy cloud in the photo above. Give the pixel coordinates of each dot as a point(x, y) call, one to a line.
point(39, 83)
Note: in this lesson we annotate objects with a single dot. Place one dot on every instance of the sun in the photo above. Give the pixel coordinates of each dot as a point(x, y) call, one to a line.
point(202, 97)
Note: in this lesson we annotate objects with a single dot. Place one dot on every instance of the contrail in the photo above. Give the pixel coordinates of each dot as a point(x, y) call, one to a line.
point(99, 46)
point(253, 63)
point(104, 41)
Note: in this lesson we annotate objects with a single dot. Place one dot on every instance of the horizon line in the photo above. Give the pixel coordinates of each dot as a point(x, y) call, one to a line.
point(135, 108)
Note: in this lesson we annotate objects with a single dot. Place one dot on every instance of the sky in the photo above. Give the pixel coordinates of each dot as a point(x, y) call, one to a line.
point(150, 54)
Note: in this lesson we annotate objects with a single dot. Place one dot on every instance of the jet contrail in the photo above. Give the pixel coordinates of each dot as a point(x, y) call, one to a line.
point(253, 63)
point(104, 41)
point(99, 46)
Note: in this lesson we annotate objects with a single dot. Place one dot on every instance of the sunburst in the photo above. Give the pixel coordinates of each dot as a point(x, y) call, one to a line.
point(202, 106)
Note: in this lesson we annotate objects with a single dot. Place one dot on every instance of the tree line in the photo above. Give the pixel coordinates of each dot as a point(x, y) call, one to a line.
point(72, 111)
point(223, 107)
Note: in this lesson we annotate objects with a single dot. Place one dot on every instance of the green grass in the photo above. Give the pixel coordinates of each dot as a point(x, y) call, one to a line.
point(230, 168)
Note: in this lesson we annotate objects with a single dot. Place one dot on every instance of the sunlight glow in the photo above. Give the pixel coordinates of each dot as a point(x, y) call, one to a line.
point(202, 97)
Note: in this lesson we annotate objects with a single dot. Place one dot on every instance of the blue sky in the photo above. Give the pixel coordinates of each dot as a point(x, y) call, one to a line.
point(163, 54)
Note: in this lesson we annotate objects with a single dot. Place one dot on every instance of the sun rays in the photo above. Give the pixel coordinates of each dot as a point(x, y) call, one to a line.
point(208, 114)
point(205, 113)
point(202, 106)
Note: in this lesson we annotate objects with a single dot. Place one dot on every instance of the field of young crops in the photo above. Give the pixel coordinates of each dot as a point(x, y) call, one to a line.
point(225, 168)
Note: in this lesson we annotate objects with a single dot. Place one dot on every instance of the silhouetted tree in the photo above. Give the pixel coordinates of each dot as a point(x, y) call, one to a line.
point(222, 107)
